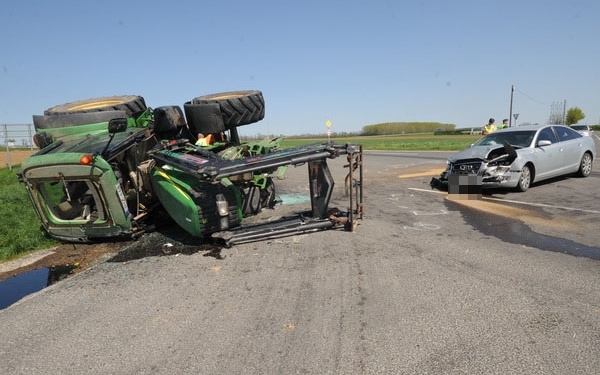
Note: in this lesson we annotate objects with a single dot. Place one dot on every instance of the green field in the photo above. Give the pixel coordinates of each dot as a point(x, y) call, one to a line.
point(412, 142)
point(19, 225)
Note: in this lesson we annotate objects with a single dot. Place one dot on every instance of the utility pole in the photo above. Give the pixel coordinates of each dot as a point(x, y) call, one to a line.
point(564, 116)
point(512, 90)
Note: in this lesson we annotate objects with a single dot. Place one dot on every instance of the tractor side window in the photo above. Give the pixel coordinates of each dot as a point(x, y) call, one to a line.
point(72, 200)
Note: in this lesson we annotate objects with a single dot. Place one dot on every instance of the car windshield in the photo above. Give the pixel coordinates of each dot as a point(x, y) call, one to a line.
point(521, 138)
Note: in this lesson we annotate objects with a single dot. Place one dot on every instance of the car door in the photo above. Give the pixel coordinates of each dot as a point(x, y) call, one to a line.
point(571, 148)
point(547, 157)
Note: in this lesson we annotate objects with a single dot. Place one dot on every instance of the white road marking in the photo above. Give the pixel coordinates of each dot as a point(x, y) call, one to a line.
point(422, 213)
point(428, 191)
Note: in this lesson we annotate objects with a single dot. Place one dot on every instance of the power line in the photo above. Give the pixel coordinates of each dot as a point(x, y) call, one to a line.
point(533, 99)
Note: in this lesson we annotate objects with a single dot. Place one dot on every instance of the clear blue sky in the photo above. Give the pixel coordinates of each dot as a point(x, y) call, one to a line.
point(354, 63)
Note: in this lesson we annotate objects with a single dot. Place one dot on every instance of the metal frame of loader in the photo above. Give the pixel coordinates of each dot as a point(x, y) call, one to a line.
point(209, 167)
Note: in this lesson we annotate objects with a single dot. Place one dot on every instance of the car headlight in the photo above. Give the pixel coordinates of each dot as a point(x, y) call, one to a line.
point(498, 169)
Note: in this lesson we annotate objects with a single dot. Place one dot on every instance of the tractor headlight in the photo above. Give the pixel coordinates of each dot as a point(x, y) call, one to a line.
point(223, 211)
point(222, 205)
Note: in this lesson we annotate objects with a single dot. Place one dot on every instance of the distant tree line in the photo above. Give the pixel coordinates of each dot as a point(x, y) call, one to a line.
point(406, 128)
point(387, 128)
point(390, 128)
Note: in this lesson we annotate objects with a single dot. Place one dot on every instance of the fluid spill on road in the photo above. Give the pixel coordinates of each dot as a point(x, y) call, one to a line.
point(294, 198)
point(512, 230)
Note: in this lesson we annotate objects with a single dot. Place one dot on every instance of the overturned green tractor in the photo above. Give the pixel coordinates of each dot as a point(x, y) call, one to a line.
point(107, 167)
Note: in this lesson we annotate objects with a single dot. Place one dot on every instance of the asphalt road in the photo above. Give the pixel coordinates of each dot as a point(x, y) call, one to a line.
point(425, 285)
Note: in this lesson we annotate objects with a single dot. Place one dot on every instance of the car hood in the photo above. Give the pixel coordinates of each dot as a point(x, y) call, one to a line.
point(474, 152)
point(489, 153)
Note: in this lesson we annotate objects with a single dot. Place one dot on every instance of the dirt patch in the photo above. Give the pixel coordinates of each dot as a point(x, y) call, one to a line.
point(419, 172)
point(77, 257)
point(16, 157)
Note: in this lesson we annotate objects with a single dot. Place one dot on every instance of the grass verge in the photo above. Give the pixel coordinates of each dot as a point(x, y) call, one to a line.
point(19, 225)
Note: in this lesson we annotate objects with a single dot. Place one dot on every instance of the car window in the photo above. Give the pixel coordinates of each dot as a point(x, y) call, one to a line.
point(547, 134)
point(579, 127)
point(565, 134)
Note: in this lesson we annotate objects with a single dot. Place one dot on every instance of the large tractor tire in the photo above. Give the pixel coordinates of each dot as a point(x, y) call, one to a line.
point(131, 104)
point(216, 113)
point(85, 112)
point(237, 107)
point(59, 121)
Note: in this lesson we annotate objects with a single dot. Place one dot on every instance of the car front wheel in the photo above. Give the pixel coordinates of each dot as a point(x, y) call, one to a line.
point(525, 180)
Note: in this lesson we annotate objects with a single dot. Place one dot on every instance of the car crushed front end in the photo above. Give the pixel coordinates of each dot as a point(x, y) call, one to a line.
point(496, 166)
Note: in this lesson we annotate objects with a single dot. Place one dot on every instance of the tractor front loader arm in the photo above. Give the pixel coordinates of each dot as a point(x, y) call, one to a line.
point(209, 168)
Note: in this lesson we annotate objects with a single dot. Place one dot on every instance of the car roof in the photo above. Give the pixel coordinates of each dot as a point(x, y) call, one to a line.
point(528, 127)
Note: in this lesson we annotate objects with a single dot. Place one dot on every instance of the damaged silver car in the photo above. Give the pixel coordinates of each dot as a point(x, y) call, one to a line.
point(517, 157)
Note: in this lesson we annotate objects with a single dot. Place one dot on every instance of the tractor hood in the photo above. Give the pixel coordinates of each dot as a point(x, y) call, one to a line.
point(94, 144)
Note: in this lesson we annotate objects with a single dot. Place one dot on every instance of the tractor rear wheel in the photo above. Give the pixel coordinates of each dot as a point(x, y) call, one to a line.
point(237, 107)
point(132, 105)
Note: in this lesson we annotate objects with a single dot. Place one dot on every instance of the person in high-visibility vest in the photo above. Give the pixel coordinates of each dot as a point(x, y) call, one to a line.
point(205, 141)
point(201, 140)
point(490, 127)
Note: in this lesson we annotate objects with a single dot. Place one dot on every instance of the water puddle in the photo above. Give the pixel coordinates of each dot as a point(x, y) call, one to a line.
point(15, 288)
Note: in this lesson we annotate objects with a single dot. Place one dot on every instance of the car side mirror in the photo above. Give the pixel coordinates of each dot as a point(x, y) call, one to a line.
point(117, 125)
point(543, 143)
